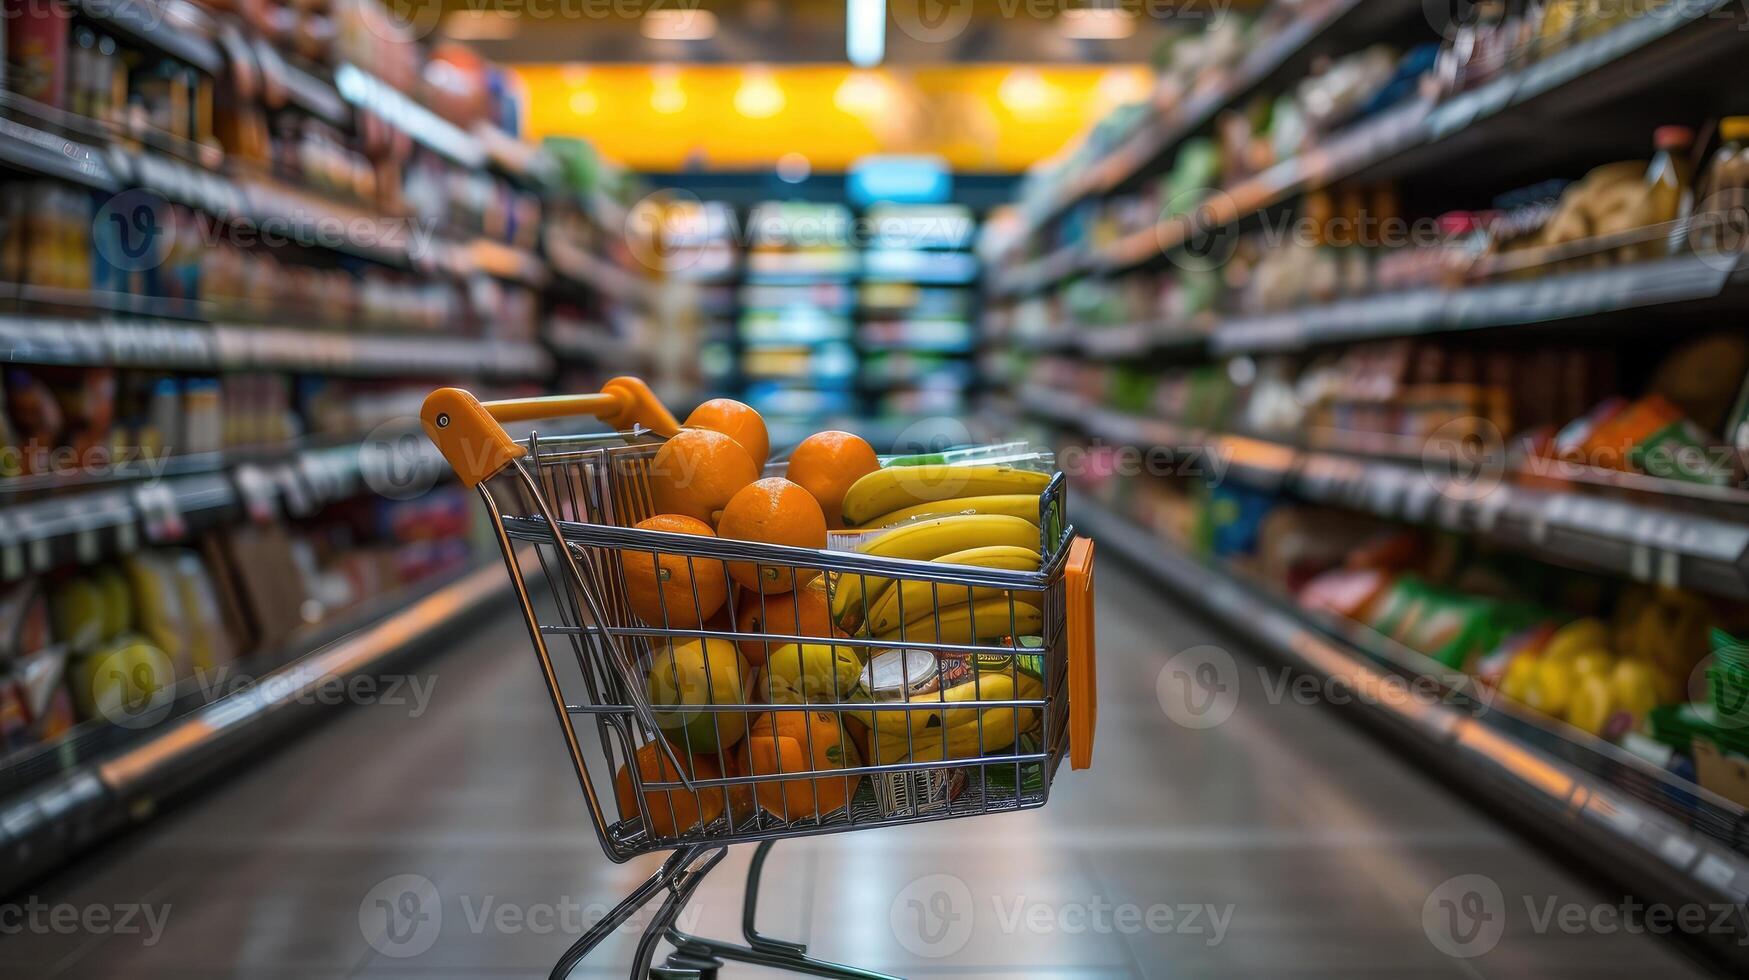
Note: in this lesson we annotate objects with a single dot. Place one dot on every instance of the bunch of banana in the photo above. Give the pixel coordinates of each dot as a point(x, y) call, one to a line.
point(1022, 505)
point(926, 733)
point(894, 489)
point(854, 597)
point(917, 600)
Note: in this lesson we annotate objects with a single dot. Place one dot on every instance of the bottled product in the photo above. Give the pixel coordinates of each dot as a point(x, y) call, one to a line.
point(1669, 184)
point(1729, 169)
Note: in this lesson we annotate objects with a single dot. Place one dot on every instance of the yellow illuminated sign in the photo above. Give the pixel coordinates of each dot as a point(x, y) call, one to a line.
point(978, 117)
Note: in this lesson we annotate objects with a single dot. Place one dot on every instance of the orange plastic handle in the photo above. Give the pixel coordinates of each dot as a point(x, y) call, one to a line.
point(470, 433)
point(1083, 674)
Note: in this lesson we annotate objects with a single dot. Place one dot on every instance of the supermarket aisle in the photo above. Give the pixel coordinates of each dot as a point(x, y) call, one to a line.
point(1280, 843)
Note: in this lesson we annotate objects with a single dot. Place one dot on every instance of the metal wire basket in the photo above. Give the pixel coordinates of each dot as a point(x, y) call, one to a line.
point(681, 743)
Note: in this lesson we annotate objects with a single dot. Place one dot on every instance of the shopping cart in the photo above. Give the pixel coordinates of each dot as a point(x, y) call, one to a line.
point(696, 774)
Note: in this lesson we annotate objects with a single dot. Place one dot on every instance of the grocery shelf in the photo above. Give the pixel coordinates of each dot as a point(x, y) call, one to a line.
point(593, 342)
point(1371, 145)
point(116, 778)
point(1664, 836)
point(76, 529)
point(1664, 542)
point(1564, 296)
point(148, 343)
point(395, 107)
point(1119, 341)
point(596, 273)
point(34, 151)
point(152, 24)
point(1567, 296)
point(269, 205)
point(1160, 132)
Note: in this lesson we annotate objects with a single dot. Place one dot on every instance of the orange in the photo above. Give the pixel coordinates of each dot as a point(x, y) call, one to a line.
point(772, 511)
point(696, 472)
point(800, 743)
point(826, 464)
point(661, 581)
point(804, 612)
point(738, 421)
point(672, 811)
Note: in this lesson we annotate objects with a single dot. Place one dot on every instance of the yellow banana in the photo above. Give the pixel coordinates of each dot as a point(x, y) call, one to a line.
point(929, 540)
point(974, 622)
point(924, 541)
point(896, 487)
point(852, 596)
point(1022, 505)
point(965, 733)
point(915, 598)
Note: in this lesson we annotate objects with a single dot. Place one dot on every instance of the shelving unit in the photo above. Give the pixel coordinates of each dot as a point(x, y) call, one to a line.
point(1665, 835)
point(1650, 47)
point(1641, 818)
point(916, 311)
point(479, 285)
point(1657, 538)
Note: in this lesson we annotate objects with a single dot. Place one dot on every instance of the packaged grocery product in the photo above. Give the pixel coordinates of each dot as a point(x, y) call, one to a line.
point(1612, 443)
point(41, 678)
point(209, 642)
point(1346, 592)
point(1669, 185)
point(159, 607)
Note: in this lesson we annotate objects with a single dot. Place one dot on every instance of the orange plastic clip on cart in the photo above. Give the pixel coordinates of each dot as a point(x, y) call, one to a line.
point(570, 503)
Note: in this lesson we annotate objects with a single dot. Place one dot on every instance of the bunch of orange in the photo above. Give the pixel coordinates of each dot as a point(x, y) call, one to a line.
point(707, 481)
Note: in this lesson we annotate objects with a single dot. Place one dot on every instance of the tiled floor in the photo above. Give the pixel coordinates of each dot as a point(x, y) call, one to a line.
point(1281, 843)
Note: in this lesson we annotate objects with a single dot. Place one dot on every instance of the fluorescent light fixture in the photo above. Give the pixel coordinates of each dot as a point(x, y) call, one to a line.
point(1096, 23)
point(759, 96)
point(865, 32)
point(678, 24)
point(666, 95)
point(480, 25)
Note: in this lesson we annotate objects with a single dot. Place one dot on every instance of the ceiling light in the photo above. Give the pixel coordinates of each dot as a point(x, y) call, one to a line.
point(865, 32)
point(1025, 92)
point(678, 24)
point(862, 93)
point(759, 96)
point(666, 95)
point(1096, 24)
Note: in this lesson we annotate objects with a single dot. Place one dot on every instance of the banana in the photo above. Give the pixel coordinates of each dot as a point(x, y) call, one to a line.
point(1023, 505)
point(913, 596)
point(964, 733)
point(929, 540)
point(896, 487)
point(966, 623)
point(855, 594)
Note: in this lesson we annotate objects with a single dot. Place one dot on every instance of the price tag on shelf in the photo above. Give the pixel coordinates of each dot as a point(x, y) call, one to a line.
point(1670, 569)
point(256, 490)
point(159, 513)
point(1537, 524)
point(127, 537)
point(292, 489)
point(86, 545)
point(11, 550)
point(1639, 562)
